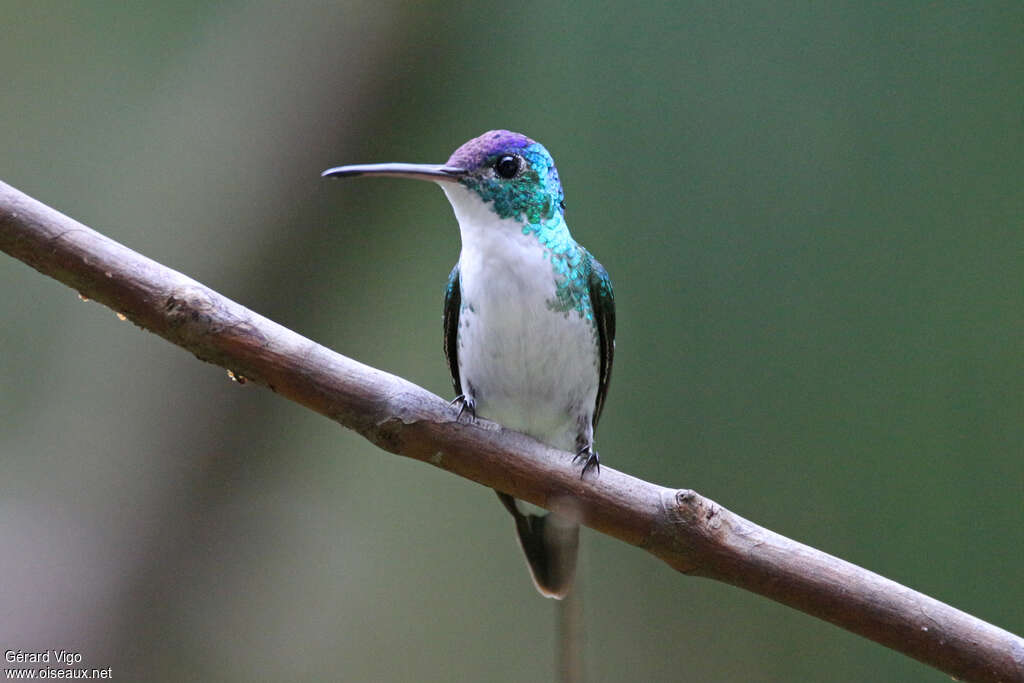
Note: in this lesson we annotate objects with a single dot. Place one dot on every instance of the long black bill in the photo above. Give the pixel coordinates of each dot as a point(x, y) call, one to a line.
point(417, 171)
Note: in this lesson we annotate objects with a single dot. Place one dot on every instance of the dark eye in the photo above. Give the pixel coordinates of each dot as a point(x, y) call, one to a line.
point(507, 166)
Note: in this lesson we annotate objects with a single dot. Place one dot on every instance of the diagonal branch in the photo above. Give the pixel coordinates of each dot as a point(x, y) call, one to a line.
point(691, 533)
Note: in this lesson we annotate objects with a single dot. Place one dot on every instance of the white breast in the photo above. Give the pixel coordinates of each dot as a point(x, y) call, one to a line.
point(531, 368)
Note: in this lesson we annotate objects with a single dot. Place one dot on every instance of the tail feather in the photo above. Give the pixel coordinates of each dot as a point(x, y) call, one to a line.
point(550, 544)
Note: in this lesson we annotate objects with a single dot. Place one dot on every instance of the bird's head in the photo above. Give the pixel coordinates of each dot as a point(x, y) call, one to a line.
point(512, 173)
point(508, 172)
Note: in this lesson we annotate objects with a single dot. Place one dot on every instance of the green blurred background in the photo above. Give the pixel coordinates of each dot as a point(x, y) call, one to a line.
point(813, 218)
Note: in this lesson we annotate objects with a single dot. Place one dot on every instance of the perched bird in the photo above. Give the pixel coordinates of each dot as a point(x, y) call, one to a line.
point(529, 318)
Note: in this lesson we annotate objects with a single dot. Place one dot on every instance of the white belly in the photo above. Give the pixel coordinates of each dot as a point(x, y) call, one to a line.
point(528, 367)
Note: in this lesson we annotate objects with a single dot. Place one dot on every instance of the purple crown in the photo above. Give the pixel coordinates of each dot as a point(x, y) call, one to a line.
point(473, 153)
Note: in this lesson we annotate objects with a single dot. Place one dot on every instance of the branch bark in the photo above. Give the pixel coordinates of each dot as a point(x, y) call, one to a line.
point(691, 533)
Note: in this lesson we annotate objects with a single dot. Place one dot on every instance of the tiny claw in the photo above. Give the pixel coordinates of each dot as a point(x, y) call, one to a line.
point(466, 404)
point(590, 460)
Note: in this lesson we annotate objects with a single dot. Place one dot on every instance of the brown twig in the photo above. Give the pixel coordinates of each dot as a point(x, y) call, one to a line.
point(691, 533)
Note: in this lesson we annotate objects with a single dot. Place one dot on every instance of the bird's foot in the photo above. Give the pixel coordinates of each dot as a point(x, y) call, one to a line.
point(466, 405)
point(590, 460)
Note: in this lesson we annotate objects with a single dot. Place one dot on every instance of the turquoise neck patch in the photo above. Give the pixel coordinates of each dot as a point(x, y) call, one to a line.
point(535, 200)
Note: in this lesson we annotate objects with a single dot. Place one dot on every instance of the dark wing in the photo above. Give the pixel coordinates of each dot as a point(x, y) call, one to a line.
point(452, 306)
point(602, 300)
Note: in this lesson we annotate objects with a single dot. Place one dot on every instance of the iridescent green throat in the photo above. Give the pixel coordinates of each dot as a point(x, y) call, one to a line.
point(535, 200)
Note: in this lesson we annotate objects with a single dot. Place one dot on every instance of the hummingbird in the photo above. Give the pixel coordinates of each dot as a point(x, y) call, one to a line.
point(529, 319)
